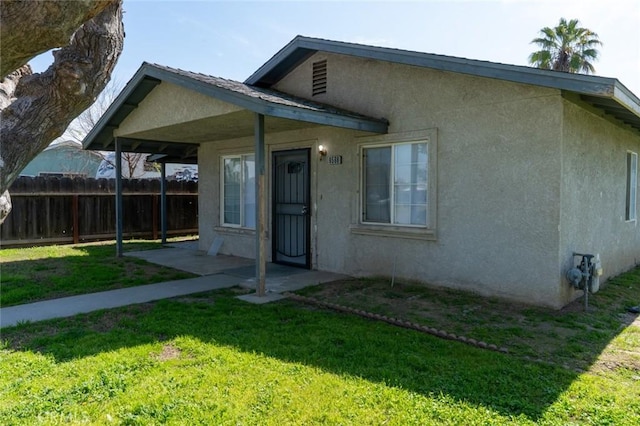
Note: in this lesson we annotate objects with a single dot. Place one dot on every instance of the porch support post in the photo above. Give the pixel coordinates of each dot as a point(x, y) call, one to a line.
point(118, 160)
point(163, 202)
point(261, 205)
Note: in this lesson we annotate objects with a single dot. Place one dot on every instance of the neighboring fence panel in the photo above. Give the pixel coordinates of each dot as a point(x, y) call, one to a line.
point(49, 210)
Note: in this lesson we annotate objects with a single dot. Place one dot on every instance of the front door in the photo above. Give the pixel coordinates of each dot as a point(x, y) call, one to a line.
point(291, 208)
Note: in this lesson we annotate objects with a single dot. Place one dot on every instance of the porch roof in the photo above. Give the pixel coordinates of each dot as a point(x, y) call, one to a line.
point(283, 112)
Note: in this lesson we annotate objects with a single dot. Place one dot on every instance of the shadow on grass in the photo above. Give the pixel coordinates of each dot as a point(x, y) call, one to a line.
point(336, 343)
point(59, 271)
point(569, 337)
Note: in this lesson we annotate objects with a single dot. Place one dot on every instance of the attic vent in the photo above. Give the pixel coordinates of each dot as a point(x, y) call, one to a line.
point(319, 77)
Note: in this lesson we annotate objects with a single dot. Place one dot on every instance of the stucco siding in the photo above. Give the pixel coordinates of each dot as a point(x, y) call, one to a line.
point(237, 242)
point(594, 176)
point(509, 180)
point(169, 104)
point(498, 177)
point(241, 242)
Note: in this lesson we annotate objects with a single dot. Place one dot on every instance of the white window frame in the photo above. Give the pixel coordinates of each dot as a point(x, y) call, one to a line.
point(423, 232)
point(631, 196)
point(241, 157)
point(392, 186)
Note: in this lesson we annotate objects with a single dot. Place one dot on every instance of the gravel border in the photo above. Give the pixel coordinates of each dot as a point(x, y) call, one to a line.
point(397, 322)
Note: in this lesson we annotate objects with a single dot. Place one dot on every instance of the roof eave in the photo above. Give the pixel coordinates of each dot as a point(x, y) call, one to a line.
point(264, 107)
point(626, 98)
point(302, 47)
point(148, 76)
point(141, 84)
point(515, 73)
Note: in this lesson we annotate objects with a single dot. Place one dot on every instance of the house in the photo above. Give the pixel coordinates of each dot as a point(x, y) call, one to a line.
point(137, 166)
point(374, 161)
point(66, 158)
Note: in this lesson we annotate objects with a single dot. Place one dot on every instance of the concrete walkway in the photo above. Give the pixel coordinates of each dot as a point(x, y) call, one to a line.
point(215, 272)
point(73, 305)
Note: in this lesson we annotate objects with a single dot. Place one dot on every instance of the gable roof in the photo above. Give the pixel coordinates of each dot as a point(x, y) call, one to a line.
point(259, 100)
point(606, 94)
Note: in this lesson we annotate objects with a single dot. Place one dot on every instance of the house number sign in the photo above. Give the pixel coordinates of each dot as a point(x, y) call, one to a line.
point(335, 160)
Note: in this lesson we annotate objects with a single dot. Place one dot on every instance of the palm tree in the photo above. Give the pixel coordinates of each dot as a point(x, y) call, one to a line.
point(567, 48)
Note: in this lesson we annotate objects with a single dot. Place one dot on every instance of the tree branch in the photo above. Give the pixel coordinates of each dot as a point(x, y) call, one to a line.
point(43, 105)
point(28, 28)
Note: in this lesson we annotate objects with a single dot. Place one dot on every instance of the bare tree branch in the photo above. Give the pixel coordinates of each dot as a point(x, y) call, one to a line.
point(83, 124)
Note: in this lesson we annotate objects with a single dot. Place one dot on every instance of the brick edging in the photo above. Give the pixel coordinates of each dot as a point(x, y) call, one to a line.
point(398, 322)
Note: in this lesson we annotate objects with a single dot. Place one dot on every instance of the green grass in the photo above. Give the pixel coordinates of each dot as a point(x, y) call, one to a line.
point(212, 359)
point(569, 337)
point(41, 273)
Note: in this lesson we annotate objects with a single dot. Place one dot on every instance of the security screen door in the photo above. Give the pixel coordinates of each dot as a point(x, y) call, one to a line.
point(291, 208)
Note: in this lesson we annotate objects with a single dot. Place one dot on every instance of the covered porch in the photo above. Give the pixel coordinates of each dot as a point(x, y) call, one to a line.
point(172, 113)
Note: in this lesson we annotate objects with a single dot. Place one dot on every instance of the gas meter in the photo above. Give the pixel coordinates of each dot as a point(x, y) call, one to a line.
point(586, 275)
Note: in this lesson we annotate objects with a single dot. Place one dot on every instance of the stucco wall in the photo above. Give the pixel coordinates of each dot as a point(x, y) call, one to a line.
point(241, 242)
point(237, 242)
point(169, 104)
point(498, 180)
point(594, 175)
point(508, 164)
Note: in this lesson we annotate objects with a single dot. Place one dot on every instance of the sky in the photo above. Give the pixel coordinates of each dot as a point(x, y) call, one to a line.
point(232, 39)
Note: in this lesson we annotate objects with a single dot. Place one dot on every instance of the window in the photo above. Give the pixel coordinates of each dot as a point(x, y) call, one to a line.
point(238, 206)
point(632, 186)
point(395, 184)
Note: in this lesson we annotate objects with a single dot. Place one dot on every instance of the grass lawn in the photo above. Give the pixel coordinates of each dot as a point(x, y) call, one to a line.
point(570, 337)
point(40, 273)
point(213, 359)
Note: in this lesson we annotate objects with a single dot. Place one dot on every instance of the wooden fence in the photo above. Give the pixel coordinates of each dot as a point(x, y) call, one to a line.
point(52, 210)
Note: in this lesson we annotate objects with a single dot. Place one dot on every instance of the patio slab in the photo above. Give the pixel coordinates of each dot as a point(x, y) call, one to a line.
point(194, 261)
point(279, 279)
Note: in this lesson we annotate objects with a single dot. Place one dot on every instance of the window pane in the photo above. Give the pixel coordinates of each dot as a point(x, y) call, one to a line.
point(410, 184)
point(232, 176)
point(377, 174)
point(249, 191)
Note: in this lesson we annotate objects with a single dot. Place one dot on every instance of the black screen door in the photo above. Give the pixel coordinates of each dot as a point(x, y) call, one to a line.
point(291, 208)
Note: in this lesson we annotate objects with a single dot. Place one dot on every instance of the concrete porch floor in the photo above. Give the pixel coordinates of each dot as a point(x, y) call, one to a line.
point(241, 271)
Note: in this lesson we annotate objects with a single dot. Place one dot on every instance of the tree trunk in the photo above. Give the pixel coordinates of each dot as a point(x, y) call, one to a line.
point(33, 27)
point(37, 108)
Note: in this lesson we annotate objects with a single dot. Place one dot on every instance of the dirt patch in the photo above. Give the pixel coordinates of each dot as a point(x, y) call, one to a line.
point(616, 360)
point(168, 352)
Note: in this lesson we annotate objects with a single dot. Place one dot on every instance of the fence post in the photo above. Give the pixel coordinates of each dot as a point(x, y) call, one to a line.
point(163, 201)
point(119, 227)
point(74, 208)
point(27, 223)
point(154, 215)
